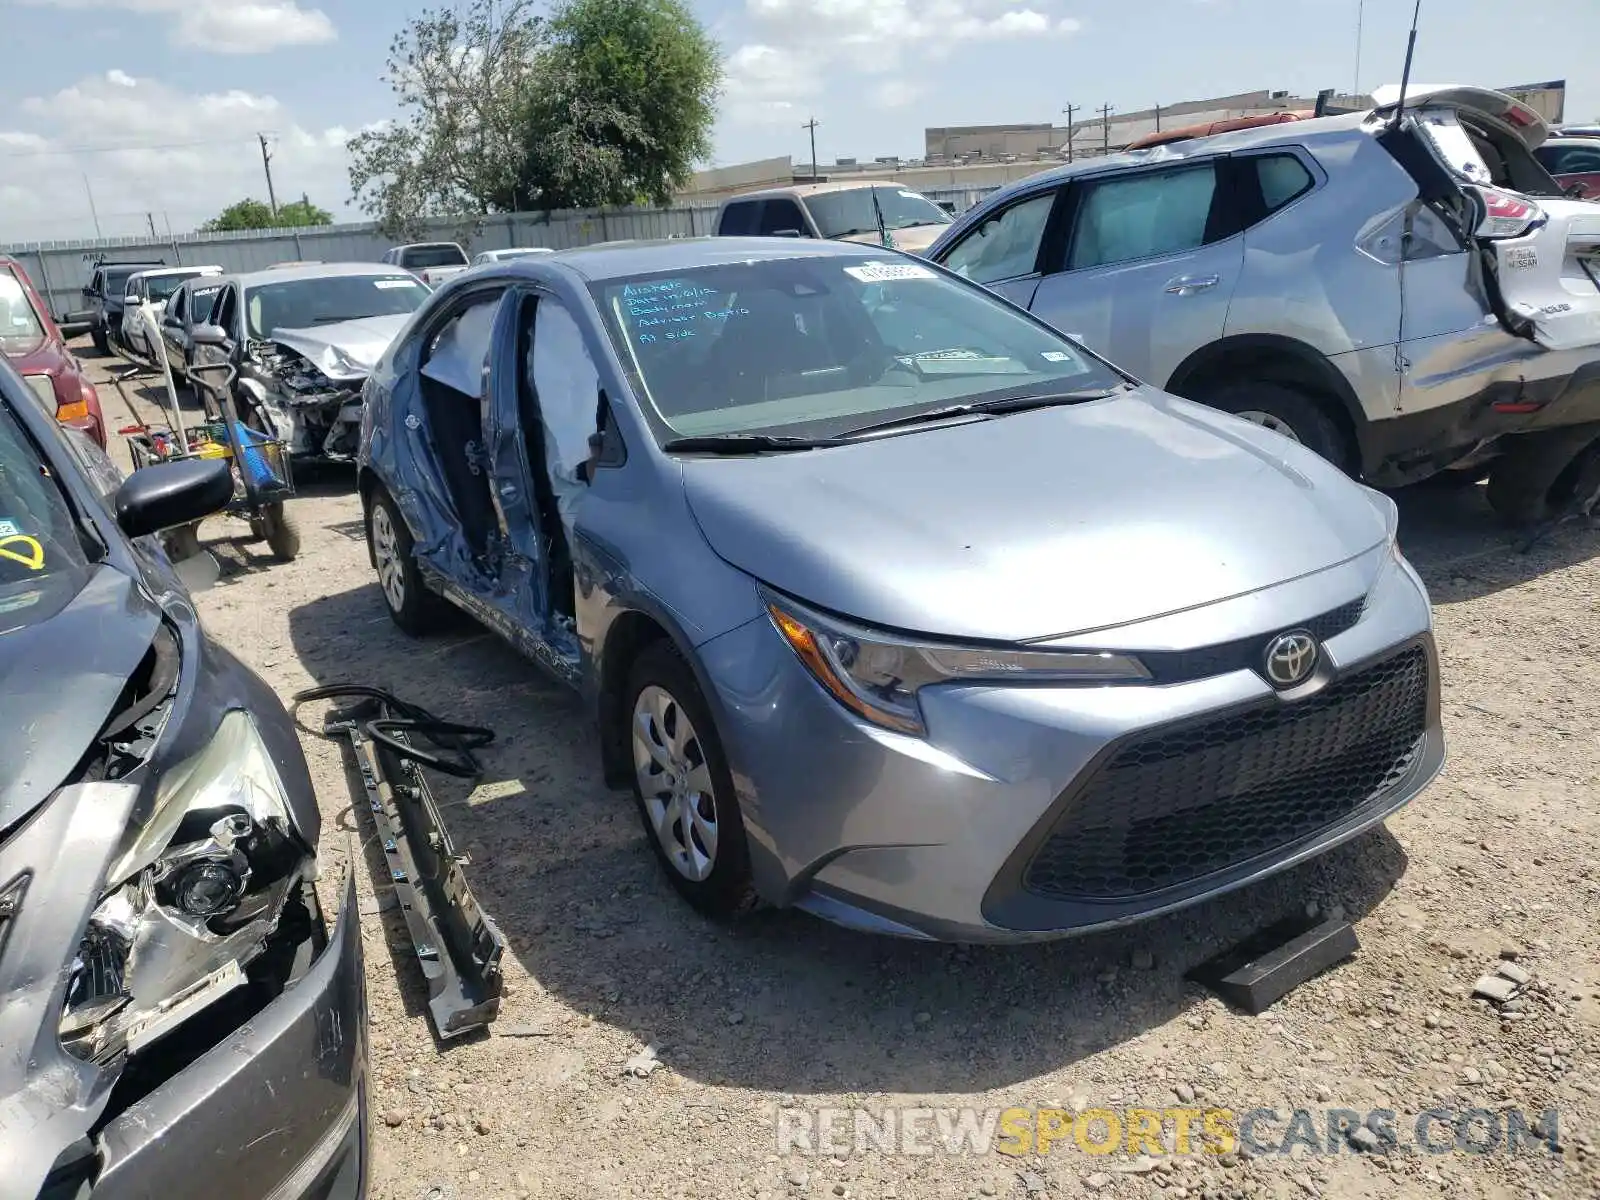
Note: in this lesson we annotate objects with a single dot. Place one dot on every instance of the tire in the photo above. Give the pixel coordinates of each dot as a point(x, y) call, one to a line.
point(1537, 478)
point(97, 335)
point(412, 607)
point(1286, 410)
point(281, 531)
point(682, 786)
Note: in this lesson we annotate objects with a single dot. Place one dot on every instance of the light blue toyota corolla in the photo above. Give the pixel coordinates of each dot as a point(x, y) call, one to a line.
point(891, 602)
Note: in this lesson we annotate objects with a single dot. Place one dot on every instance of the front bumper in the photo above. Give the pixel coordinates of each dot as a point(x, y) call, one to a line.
point(277, 1111)
point(930, 837)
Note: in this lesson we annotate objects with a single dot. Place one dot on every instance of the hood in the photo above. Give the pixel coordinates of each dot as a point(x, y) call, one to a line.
point(348, 349)
point(60, 678)
point(914, 239)
point(1036, 525)
point(1516, 116)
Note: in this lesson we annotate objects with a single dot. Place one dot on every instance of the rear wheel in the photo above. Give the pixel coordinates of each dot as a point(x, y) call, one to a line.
point(411, 605)
point(97, 335)
point(1545, 475)
point(1296, 415)
point(683, 787)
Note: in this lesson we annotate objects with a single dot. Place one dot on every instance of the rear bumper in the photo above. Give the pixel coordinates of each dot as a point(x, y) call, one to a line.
point(278, 1111)
point(1408, 448)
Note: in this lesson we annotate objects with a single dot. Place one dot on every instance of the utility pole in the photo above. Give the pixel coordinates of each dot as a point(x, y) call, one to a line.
point(1105, 111)
point(1361, 6)
point(811, 126)
point(1158, 118)
point(266, 164)
point(92, 211)
point(1069, 110)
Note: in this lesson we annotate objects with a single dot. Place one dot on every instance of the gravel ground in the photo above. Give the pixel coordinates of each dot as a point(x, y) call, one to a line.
point(1500, 860)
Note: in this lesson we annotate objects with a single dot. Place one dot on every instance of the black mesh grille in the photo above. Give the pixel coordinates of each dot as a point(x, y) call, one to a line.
point(1245, 654)
point(1186, 802)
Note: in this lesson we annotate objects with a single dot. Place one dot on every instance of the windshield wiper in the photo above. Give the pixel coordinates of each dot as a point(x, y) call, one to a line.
point(338, 320)
point(999, 407)
point(745, 443)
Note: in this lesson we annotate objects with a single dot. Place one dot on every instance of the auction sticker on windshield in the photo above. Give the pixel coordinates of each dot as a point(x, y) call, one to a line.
point(387, 284)
point(879, 272)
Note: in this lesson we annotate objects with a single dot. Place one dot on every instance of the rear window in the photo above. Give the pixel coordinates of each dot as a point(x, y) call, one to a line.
point(423, 257)
point(17, 318)
point(43, 559)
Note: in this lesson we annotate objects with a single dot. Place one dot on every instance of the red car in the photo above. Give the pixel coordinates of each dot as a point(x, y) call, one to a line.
point(1573, 160)
point(30, 339)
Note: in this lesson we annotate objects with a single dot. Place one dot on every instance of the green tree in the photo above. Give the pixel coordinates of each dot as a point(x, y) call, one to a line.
point(253, 214)
point(629, 96)
point(606, 102)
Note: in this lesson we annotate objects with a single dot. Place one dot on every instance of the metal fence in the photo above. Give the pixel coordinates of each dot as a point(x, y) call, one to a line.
point(61, 269)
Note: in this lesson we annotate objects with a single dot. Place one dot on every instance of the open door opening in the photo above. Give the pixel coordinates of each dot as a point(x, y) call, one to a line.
point(450, 385)
point(552, 532)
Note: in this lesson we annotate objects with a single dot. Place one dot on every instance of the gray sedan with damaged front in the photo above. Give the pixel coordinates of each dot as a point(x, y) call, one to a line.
point(891, 602)
point(170, 994)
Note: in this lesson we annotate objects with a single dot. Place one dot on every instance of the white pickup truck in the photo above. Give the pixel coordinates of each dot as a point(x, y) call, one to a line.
point(432, 262)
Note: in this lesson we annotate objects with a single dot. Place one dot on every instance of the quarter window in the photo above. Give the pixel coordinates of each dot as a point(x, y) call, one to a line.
point(1283, 179)
point(1006, 245)
point(1143, 216)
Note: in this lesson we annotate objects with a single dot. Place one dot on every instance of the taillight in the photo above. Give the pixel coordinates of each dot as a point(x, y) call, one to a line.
point(1506, 215)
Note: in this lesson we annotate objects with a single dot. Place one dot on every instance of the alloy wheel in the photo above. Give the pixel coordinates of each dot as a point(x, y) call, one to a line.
point(675, 782)
point(386, 549)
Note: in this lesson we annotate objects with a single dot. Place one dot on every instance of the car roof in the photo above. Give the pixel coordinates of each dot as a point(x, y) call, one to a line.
point(1285, 133)
point(317, 271)
point(208, 269)
point(425, 245)
point(614, 260)
point(816, 189)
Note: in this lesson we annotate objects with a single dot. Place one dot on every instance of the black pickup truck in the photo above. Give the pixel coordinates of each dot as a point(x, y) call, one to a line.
point(103, 298)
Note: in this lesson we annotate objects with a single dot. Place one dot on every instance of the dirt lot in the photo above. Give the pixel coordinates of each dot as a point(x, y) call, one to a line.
point(1500, 858)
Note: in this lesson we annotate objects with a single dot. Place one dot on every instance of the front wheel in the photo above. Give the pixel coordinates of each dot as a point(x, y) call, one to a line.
point(97, 335)
point(281, 531)
point(1545, 475)
point(1287, 411)
point(683, 787)
point(411, 605)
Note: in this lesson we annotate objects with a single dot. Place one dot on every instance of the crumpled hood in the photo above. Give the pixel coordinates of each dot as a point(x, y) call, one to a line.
point(1038, 524)
point(346, 349)
point(59, 681)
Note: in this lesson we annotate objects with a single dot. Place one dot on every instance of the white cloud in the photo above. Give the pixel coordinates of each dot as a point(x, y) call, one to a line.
point(180, 156)
point(226, 26)
point(819, 38)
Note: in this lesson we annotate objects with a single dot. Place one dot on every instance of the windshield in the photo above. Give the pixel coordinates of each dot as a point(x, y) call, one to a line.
point(17, 318)
point(301, 303)
point(841, 214)
point(423, 257)
point(43, 561)
point(161, 287)
point(817, 347)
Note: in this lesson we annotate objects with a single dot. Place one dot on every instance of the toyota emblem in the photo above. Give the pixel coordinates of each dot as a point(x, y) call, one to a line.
point(1291, 657)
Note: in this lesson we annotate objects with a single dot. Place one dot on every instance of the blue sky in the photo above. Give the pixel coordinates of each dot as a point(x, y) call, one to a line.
point(183, 86)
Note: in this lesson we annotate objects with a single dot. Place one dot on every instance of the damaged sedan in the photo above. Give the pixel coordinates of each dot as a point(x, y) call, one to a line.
point(891, 602)
point(304, 339)
point(170, 991)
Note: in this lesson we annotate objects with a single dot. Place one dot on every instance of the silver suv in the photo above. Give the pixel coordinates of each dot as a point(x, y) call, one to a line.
point(1404, 292)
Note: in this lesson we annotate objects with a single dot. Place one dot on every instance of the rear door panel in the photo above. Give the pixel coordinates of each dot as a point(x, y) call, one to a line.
point(1144, 311)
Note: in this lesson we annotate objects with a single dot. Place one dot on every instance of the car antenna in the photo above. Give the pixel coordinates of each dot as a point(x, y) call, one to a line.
point(877, 210)
point(1405, 75)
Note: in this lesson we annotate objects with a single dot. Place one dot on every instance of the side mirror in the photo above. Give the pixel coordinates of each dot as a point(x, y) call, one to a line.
point(131, 300)
point(88, 293)
point(168, 494)
point(787, 233)
point(211, 335)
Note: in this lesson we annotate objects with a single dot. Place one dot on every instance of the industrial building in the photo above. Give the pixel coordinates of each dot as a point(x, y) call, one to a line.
point(981, 157)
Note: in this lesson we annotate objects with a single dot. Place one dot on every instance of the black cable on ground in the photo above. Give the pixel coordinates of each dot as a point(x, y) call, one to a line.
point(412, 720)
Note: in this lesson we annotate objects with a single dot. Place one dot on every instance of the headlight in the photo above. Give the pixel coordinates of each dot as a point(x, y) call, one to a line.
point(191, 902)
point(878, 676)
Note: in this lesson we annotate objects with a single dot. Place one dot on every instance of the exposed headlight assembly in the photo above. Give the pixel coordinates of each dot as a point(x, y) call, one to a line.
point(879, 675)
point(191, 902)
